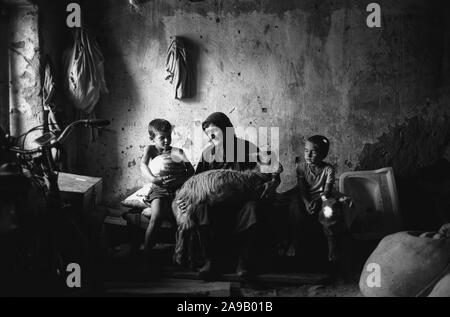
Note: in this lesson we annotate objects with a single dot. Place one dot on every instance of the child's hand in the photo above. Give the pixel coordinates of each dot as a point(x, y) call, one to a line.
point(169, 166)
point(158, 181)
point(314, 207)
point(167, 179)
point(310, 208)
point(177, 169)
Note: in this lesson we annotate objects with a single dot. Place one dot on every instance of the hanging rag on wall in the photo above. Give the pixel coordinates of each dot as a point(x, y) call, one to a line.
point(48, 93)
point(179, 72)
point(50, 111)
point(85, 78)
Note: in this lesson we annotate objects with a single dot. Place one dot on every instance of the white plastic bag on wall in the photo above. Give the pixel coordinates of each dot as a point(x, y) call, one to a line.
point(85, 80)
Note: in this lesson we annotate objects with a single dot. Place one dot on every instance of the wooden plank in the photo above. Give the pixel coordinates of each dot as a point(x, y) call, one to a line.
point(271, 278)
point(72, 183)
point(117, 212)
point(115, 217)
point(171, 287)
point(116, 221)
point(84, 193)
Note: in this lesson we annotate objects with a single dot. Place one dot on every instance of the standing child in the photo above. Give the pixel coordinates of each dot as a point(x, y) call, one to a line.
point(166, 168)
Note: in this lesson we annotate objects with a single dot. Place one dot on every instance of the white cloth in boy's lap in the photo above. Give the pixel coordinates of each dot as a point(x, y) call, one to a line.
point(171, 165)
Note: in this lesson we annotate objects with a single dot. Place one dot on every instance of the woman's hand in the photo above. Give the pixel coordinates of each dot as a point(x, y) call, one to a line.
point(158, 181)
point(280, 169)
point(269, 188)
point(184, 219)
point(184, 206)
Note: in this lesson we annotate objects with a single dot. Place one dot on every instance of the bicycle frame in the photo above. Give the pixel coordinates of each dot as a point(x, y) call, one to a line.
point(55, 216)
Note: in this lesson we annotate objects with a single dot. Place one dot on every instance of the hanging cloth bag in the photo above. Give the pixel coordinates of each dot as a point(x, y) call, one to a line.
point(85, 73)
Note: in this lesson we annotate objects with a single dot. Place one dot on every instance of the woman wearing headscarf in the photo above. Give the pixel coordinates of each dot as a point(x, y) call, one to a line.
point(230, 225)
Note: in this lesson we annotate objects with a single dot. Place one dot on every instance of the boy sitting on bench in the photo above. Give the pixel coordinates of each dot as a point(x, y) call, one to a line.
point(166, 168)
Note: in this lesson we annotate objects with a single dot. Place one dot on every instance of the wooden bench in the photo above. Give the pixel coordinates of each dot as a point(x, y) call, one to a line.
point(136, 223)
point(135, 204)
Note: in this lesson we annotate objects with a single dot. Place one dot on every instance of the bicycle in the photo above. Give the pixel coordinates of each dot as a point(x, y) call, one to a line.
point(40, 238)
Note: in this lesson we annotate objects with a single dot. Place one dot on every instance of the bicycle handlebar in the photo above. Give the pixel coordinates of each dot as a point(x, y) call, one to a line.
point(96, 122)
point(63, 136)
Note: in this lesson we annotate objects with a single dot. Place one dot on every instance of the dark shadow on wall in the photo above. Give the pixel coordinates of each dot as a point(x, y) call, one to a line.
point(103, 157)
point(416, 151)
point(54, 37)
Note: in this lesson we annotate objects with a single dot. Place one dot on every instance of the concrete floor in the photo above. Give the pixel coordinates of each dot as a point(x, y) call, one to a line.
point(338, 289)
point(129, 282)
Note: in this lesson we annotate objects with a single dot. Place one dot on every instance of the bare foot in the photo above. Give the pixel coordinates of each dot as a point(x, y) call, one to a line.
point(147, 212)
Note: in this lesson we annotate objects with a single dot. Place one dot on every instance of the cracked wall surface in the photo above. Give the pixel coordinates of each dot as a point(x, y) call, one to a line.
point(307, 67)
point(24, 61)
